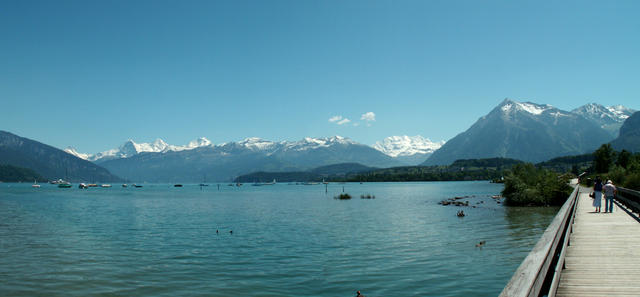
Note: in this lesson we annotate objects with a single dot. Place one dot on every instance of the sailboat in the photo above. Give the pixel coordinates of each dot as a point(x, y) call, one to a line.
point(64, 183)
point(204, 181)
point(35, 184)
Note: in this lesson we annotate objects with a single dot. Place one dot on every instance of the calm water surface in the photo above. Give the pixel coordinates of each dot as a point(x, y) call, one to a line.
point(287, 240)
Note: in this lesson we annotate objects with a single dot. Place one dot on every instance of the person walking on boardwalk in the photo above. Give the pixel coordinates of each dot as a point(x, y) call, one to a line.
point(609, 192)
point(597, 191)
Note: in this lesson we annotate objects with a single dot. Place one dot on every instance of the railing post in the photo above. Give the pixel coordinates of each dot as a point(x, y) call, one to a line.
point(535, 273)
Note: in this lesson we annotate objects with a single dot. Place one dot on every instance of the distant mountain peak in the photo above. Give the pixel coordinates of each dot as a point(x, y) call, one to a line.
point(609, 118)
point(201, 141)
point(395, 146)
point(308, 143)
point(131, 148)
point(510, 106)
point(256, 143)
point(73, 151)
point(531, 132)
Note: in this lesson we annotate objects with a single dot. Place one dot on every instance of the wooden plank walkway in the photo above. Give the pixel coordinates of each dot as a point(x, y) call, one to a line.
point(603, 257)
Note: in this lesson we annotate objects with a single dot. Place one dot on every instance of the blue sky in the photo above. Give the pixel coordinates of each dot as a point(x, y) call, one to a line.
point(92, 74)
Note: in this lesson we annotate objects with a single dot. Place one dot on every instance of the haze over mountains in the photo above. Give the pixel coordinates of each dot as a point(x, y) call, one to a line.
point(629, 138)
point(520, 130)
point(228, 161)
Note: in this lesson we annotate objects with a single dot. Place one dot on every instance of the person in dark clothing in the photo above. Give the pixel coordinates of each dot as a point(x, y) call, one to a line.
point(597, 191)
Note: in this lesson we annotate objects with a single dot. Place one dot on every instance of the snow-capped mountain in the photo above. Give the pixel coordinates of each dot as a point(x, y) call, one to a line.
point(229, 160)
point(526, 131)
point(309, 143)
point(609, 118)
point(73, 151)
point(395, 146)
point(131, 148)
point(411, 150)
point(200, 142)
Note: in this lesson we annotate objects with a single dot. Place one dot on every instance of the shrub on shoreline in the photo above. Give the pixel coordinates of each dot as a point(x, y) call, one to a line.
point(527, 185)
point(343, 196)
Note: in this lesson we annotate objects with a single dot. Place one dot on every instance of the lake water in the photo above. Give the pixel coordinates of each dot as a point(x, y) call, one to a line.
point(287, 240)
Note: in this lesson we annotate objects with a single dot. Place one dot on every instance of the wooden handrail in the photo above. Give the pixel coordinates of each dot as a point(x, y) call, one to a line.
point(630, 198)
point(535, 275)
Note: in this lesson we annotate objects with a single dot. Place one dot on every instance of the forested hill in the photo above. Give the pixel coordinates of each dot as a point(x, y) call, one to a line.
point(9, 173)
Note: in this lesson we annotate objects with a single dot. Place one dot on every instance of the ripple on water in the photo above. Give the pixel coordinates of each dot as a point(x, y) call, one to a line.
point(287, 240)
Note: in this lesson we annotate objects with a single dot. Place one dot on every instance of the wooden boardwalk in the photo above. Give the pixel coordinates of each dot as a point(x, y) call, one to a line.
point(603, 257)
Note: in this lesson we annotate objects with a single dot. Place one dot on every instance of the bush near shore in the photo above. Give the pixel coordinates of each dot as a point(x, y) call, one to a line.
point(526, 185)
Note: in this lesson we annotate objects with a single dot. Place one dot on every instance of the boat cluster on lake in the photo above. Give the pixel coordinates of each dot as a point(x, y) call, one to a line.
point(66, 184)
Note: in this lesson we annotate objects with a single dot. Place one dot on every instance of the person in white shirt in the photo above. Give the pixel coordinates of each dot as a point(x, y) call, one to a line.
point(609, 192)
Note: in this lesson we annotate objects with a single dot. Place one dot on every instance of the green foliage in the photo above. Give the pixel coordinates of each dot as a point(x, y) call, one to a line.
point(617, 174)
point(574, 164)
point(527, 185)
point(9, 173)
point(460, 170)
point(632, 181)
point(603, 158)
point(343, 196)
point(624, 158)
point(486, 163)
point(623, 168)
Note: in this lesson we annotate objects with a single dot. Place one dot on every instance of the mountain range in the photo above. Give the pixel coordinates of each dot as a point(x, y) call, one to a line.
point(533, 132)
point(407, 150)
point(230, 160)
point(609, 118)
point(520, 130)
point(131, 148)
point(49, 161)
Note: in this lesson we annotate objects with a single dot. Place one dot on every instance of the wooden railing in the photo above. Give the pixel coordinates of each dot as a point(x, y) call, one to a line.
point(539, 273)
point(629, 198)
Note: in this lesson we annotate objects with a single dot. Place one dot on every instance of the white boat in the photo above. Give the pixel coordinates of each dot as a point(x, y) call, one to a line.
point(35, 184)
point(106, 186)
point(265, 184)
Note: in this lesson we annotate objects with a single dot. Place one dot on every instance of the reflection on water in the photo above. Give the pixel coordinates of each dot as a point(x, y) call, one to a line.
point(287, 240)
point(528, 221)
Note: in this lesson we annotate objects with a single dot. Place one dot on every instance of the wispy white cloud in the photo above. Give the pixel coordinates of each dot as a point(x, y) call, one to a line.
point(335, 118)
point(356, 124)
point(343, 121)
point(338, 119)
point(369, 117)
